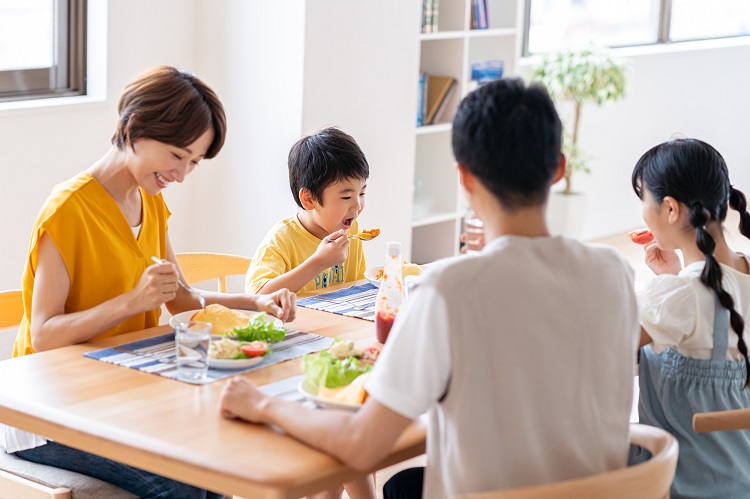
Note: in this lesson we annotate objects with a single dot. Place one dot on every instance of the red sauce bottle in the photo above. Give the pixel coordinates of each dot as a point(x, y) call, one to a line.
point(391, 292)
point(383, 325)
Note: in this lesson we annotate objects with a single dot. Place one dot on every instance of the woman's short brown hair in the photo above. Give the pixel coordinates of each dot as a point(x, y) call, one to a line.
point(171, 106)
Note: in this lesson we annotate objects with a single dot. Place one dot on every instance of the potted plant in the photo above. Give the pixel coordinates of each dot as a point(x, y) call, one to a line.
point(589, 75)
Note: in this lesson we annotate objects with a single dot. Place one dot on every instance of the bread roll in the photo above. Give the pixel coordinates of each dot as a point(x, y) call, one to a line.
point(223, 319)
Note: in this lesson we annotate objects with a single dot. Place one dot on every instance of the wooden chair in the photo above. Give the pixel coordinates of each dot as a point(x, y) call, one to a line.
point(199, 267)
point(11, 308)
point(648, 480)
point(737, 419)
point(21, 479)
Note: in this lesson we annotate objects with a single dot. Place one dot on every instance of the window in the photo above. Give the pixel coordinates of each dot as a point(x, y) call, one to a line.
point(42, 48)
point(698, 19)
point(574, 24)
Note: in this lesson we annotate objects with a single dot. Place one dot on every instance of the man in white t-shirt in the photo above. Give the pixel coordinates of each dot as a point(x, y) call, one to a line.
point(522, 356)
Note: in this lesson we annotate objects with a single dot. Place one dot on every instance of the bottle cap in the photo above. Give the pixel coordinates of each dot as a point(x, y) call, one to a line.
point(393, 248)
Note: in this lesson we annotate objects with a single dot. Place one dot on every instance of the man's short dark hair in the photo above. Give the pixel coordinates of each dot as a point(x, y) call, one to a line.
point(323, 158)
point(509, 136)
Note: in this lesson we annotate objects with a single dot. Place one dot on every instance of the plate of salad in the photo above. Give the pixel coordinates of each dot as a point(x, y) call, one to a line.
point(242, 325)
point(334, 378)
point(225, 353)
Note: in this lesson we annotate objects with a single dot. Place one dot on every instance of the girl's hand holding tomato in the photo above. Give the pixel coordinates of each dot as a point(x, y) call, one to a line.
point(641, 236)
point(662, 261)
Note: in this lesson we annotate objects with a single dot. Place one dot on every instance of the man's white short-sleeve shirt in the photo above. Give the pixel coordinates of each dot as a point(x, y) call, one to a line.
point(523, 355)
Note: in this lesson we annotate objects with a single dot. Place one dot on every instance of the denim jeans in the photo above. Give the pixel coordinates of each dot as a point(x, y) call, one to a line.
point(405, 484)
point(137, 482)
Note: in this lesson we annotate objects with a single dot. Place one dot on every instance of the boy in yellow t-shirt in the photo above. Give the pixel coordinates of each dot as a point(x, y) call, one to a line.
point(311, 250)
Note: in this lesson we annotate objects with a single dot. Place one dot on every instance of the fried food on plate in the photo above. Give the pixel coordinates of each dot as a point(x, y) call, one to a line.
point(353, 394)
point(223, 319)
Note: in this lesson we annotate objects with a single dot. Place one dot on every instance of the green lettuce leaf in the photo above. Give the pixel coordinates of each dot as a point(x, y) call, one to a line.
point(325, 370)
point(261, 328)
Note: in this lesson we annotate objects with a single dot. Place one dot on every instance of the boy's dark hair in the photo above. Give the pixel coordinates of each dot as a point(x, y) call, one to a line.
point(509, 137)
point(323, 158)
point(171, 106)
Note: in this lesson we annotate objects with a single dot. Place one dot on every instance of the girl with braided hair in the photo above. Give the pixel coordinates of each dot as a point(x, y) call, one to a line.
point(695, 355)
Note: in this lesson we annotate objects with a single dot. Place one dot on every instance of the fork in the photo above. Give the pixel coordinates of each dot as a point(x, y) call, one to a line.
point(187, 288)
point(343, 302)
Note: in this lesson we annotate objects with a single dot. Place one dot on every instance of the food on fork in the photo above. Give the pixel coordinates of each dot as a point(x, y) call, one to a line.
point(641, 236)
point(223, 318)
point(368, 234)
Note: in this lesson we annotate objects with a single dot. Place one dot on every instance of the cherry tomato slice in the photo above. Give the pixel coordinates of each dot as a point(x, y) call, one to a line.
point(254, 348)
point(641, 236)
point(371, 353)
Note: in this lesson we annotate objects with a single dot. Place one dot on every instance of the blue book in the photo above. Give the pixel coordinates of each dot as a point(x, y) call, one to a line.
point(421, 98)
point(482, 17)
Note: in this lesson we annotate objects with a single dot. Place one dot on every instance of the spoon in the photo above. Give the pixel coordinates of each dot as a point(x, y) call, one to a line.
point(366, 235)
point(361, 237)
point(185, 286)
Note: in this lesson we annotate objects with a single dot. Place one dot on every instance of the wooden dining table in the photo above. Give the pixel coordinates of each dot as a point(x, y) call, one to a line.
point(174, 428)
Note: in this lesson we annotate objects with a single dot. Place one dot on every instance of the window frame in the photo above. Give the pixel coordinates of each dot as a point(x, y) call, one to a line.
point(662, 37)
point(67, 75)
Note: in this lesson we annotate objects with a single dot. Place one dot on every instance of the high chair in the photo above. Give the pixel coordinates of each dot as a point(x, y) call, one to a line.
point(199, 267)
point(21, 479)
point(736, 419)
point(647, 480)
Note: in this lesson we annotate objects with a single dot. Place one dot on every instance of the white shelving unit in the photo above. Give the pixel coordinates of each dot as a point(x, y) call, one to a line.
point(438, 205)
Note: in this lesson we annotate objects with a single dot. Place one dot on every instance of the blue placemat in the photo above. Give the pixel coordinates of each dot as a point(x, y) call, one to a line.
point(287, 389)
point(341, 301)
point(157, 355)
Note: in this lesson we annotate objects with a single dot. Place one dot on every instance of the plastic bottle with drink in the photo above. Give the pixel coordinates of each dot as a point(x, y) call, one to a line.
point(474, 233)
point(391, 293)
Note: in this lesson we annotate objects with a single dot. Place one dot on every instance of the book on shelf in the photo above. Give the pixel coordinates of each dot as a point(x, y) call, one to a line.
point(430, 16)
point(439, 89)
point(484, 71)
point(479, 14)
point(421, 98)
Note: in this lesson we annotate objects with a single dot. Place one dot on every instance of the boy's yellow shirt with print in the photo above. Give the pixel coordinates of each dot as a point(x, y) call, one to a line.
point(287, 245)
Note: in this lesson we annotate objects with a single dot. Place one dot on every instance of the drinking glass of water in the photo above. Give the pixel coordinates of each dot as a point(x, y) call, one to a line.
point(192, 339)
point(474, 233)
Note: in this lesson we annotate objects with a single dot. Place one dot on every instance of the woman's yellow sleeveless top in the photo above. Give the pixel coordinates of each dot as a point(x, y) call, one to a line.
point(102, 255)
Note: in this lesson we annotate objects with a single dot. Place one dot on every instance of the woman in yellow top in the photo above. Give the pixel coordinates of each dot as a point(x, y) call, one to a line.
point(90, 274)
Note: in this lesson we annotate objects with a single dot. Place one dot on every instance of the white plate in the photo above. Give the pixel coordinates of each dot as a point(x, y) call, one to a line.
point(370, 275)
point(186, 316)
point(326, 404)
point(233, 363)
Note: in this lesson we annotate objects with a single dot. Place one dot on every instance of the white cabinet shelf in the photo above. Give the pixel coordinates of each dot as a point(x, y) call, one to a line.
point(428, 129)
point(438, 204)
point(434, 219)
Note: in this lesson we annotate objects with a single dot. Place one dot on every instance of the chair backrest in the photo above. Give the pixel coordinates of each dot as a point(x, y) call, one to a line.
point(647, 480)
point(199, 267)
point(737, 419)
point(11, 308)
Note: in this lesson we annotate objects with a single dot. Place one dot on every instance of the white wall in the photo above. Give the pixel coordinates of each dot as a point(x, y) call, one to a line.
point(42, 147)
point(229, 203)
point(699, 91)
